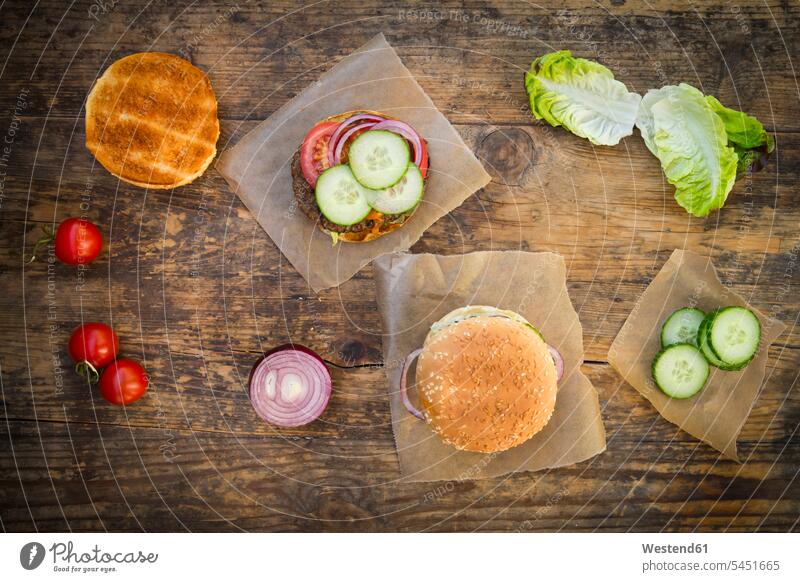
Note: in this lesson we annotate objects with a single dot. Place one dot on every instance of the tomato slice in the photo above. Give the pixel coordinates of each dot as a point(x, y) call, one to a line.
point(423, 165)
point(314, 151)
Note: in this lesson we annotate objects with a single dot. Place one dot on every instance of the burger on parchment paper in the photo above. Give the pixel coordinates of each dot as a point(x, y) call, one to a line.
point(486, 379)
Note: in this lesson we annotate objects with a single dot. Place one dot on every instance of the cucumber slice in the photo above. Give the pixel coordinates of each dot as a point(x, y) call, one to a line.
point(705, 348)
point(680, 371)
point(734, 335)
point(401, 197)
point(681, 327)
point(340, 197)
point(379, 158)
point(702, 343)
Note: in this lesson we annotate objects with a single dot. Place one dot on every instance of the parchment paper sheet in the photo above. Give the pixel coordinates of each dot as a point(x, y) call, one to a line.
point(717, 413)
point(258, 168)
point(414, 291)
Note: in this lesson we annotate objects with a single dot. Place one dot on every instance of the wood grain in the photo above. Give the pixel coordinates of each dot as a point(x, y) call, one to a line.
point(197, 290)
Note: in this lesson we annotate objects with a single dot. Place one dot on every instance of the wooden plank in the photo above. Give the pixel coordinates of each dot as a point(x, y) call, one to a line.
point(206, 390)
point(115, 478)
point(470, 56)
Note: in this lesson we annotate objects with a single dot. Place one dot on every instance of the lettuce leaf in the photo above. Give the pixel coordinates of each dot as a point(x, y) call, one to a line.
point(746, 135)
point(682, 129)
point(581, 95)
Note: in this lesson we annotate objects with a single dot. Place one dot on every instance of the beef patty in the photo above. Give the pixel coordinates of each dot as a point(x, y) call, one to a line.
point(304, 194)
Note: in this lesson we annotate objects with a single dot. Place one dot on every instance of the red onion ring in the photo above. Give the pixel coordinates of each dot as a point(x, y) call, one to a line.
point(403, 129)
point(558, 361)
point(403, 387)
point(343, 126)
point(290, 386)
point(339, 147)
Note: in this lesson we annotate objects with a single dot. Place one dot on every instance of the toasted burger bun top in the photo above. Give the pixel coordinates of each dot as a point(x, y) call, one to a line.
point(151, 120)
point(486, 380)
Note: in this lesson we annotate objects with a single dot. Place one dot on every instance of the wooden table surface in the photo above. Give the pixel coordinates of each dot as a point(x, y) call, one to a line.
point(197, 290)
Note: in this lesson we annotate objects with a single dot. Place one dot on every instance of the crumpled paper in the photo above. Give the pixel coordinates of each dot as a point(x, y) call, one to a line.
point(414, 291)
point(258, 167)
point(717, 413)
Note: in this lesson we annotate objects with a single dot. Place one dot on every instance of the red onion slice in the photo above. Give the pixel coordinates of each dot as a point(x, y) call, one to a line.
point(339, 147)
point(343, 126)
point(290, 386)
point(403, 386)
point(558, 360)
point(405, 130)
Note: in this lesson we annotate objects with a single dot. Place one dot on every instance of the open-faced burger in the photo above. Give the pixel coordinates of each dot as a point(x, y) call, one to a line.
point(360, 175)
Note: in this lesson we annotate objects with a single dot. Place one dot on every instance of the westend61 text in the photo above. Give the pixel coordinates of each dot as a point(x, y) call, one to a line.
point(673, 549)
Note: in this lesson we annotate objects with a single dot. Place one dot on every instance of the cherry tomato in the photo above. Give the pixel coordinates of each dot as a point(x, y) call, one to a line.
point(123, 382)
point(95, 343)
point(314, 151)
point(78, 241)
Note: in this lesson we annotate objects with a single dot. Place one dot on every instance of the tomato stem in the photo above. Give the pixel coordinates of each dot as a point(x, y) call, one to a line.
point(84, 368)
point(44, 240)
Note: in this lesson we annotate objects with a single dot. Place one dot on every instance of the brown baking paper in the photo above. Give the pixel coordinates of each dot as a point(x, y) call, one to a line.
point(414, 291)
point(258, 168)
point(718, 412)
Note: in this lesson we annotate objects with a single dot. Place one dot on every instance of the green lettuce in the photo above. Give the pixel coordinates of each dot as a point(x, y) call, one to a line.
point(702, 145)
point(746, 135)
point(682, 129)
point(581, 95)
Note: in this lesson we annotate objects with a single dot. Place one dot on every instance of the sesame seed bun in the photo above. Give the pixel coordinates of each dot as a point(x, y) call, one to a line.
point(486, 380)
